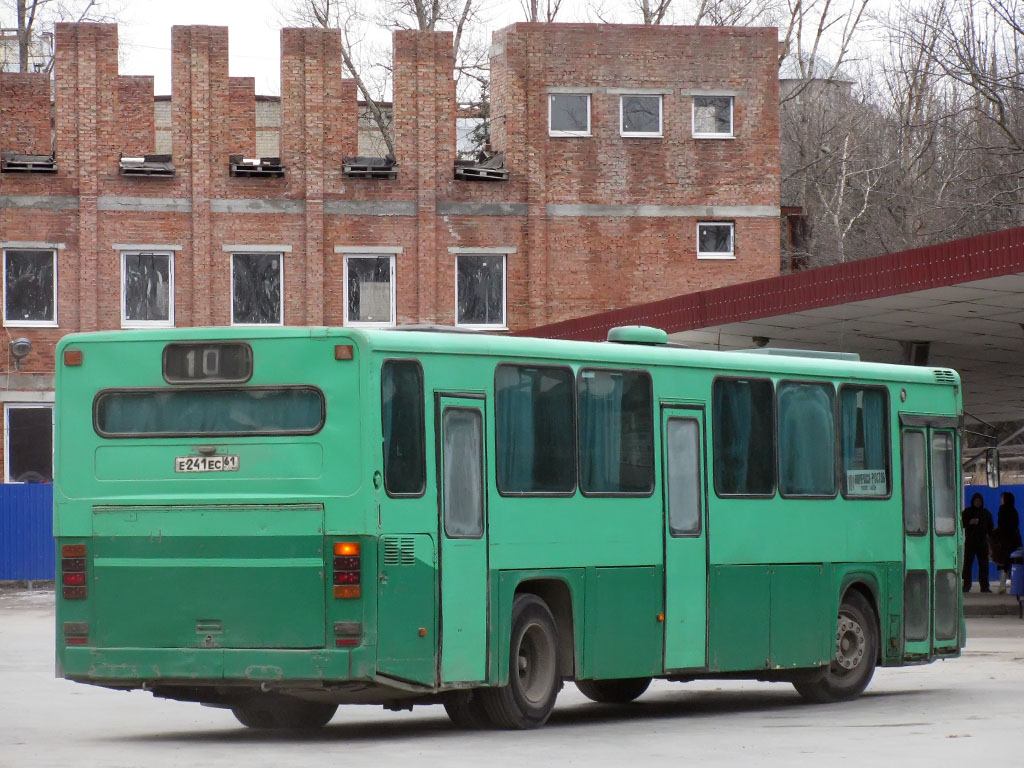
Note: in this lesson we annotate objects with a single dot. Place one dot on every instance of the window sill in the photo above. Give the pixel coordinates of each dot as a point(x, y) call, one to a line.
point(471, 327)
point(641, 135)
point(569, 135)
point(357, 324)
point(30, 324)
point(716, 256)
point(714, 136)
point(129, 325)
point(278, 324)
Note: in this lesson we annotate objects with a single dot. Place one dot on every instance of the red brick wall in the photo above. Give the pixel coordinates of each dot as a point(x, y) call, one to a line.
point(562, 266)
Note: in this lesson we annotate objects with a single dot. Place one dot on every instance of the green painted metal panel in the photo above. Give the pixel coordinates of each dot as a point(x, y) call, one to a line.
point(739, 608)
point(406, 608)
point(802, 619)
point(623, 634)
point(463, 566)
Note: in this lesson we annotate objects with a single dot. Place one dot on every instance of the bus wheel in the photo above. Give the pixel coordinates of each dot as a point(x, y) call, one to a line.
point(270, 711)
point(613, 691)
point(853, 663)
point(465, 711)
point(533, 680)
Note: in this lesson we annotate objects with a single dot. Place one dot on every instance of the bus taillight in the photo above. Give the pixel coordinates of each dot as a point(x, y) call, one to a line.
point(73, 576)
point(347, 564)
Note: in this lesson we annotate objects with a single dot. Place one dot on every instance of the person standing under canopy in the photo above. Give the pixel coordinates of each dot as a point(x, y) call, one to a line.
point(1006, 537)
point(977, 523)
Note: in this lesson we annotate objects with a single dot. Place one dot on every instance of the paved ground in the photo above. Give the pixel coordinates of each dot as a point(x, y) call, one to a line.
point(961, 712)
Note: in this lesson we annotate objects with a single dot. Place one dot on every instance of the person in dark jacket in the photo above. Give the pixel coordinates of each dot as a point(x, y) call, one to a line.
point(977, 523)
point(1006, 537)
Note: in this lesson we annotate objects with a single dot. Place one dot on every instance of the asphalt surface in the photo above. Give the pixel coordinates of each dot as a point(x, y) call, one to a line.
point(960, 712)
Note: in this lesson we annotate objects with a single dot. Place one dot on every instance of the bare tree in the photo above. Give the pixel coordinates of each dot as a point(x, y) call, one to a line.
point(34, 20)
point(538, 11)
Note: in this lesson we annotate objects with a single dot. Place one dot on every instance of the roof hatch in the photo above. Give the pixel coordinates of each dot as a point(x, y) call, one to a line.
point(637, 334)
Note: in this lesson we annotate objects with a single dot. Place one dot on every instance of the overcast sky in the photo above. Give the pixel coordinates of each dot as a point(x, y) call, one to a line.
point(254, 34)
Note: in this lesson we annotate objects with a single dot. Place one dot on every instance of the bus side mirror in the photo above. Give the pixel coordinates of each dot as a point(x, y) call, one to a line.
point(992, 467)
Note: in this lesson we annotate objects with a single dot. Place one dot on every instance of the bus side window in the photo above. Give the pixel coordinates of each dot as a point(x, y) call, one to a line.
point(401, 405)
point(616, 432)
point(535, 439)
point(807, 439)
point(864, 442)
point(743, 419)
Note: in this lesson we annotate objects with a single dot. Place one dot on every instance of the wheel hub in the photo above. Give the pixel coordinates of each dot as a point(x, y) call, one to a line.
point(535, 663)
point(850, 642)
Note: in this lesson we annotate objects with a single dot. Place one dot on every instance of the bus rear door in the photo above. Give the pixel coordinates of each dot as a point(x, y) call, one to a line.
point(931, 593)
point(685, 538)
point(463, 538)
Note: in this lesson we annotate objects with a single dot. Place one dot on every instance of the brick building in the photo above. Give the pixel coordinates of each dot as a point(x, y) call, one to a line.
point(642, 162)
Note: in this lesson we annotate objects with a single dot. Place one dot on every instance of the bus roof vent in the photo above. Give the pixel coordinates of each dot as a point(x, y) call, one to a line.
point(637, 334)
point(814, 353)
point(944, 376)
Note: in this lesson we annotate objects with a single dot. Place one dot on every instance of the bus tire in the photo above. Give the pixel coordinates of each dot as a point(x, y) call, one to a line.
point(268, 711)
point(533, 679)
point(465, 711)
point(853, 663)
point(619, 691)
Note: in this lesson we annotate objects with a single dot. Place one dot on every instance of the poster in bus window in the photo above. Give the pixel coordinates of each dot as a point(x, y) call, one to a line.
point(866, 482)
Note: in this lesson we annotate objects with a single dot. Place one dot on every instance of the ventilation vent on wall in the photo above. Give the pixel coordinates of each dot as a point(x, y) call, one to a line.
point(399, 550)
point(944, 376)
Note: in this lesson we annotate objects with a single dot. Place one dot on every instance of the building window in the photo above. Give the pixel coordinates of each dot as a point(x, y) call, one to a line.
point(712, 117)
point(640, 116)
point(28, 443)
point(569, 114)
point(147, 290)
point(257, 289)
point(480, 290)
point(716, 240)
point(370, 290)
point(30, 287)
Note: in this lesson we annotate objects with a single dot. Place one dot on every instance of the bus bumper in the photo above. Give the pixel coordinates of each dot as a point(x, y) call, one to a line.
point(123, 665)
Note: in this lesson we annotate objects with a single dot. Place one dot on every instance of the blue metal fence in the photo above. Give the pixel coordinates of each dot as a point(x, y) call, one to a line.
point(991, 498)
point(26, 531)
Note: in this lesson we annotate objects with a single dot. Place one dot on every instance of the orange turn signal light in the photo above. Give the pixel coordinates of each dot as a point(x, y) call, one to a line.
point(343, 352)
point(346, 548)
point(346, 593)
point(73, 357)
point(72, 550)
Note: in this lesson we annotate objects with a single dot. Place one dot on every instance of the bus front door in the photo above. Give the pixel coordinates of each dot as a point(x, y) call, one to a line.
point(686, 569)
point(931, 582)
point(463, 538)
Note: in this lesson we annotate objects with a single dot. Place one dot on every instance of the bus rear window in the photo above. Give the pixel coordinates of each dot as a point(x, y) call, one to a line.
point(224, 412)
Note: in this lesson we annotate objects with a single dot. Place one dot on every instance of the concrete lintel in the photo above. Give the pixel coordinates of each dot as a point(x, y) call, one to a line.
point(40, 202)
point(483, 249)
point(371, 207)
point(640, 91)
point(710, 92)
point(27, 387)
point(256, 248)
point(570, 89)
point(680, 211)
point(482, 209)
point(145, 247)
point(144, 204)
point(256, 205)
point(32, 244)
point(371, 249)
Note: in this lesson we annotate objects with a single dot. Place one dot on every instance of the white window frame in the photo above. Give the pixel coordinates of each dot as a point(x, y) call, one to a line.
point(721, 255)
point(732, 116)
point(231, 298)
point(394, 305)
point(169, 322)
point(30, 323)
point(503, 325)
point(642, 134)
point(579, 134)
point(7, 435)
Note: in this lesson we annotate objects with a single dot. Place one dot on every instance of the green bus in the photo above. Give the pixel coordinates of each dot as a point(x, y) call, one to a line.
point(282, 520)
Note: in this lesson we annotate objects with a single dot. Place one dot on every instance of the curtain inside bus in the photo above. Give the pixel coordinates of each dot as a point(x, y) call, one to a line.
point(862, 417)
point(806, 440)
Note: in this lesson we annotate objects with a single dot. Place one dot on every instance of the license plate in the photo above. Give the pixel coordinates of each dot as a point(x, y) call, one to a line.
point(206, 464)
